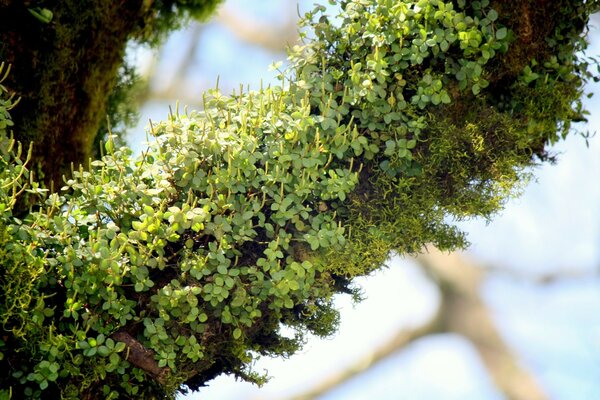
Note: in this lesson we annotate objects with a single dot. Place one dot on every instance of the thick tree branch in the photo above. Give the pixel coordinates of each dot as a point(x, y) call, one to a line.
point(546, 278)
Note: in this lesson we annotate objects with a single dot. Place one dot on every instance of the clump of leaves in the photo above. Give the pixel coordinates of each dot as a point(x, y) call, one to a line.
point(144, 274)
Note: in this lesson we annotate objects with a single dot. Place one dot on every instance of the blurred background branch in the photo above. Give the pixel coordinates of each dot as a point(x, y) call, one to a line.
point(461, 311)
point(275, 36)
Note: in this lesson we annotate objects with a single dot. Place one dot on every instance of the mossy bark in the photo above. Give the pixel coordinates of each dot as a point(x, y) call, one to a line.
point(63, 71)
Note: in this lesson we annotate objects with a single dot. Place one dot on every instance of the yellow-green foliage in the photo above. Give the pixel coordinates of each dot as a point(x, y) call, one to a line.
point(252, 214)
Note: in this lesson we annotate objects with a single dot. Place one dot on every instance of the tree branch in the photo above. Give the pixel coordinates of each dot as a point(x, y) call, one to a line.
point(141, 357)
point(465, 313)
point(398, 341)
point(461, 311)
point(268, 36)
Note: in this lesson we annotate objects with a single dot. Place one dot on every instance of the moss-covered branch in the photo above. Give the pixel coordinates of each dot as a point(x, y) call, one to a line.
point(253, 213)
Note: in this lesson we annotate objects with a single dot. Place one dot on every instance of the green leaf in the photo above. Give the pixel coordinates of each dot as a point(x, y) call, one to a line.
point(103, 351)
point(444, 46)
point(114, 359)
point(222, 269)
point(501, 33)
point(288, 303)
point(90, 352)
point(137, 225)
point(446, 98)
point(43, 15)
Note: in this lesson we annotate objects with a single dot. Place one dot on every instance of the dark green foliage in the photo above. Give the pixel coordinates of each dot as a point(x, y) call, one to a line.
point(165, 16)
point(252, 214)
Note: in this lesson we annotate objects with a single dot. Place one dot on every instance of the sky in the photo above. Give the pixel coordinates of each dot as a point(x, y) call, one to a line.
point(554, 227)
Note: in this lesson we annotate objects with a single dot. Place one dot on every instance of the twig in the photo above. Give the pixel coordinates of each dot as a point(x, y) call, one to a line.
point(141, 357)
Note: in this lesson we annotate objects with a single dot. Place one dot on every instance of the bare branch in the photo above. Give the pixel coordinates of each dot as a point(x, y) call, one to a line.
point(465, 313)
point(546, 278)
point(399, 341)
point(462, 311)
point(141, 357)
point(271, 37)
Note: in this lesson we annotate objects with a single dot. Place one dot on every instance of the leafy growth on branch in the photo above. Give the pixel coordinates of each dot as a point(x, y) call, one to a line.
point(145, 274)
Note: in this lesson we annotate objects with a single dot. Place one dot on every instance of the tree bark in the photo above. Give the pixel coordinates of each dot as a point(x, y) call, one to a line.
point(141, 357)
point(63, 70)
